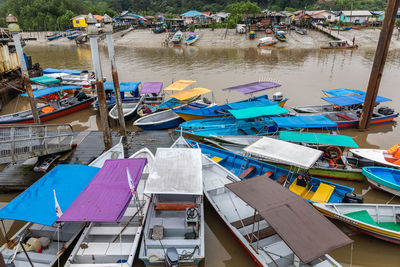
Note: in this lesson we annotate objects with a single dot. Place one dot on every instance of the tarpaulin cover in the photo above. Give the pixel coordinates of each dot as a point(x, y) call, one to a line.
point(190, 93)
point(51, 90)
point(255, 112)
point(349, 100)
point(123, 87)
point(254, 103)
point(284, 152)
point(253, 87)
point(316, 121)
point(179, 85)
point(343, 91)
point(307, 232)
point(151, 88)
point(107, 196)
point(36, 204)
point(193, 13)
point(44, 80)
point(176, 171)
point(72, 72)
point(317, 138)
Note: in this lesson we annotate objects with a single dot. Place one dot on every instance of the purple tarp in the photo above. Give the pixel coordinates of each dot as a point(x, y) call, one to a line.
point(151, 88)
point(107, 196)
point(253, 87)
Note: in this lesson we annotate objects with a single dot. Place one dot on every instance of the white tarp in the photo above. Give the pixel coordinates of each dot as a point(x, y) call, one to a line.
point(176, 171)
point(284, 152)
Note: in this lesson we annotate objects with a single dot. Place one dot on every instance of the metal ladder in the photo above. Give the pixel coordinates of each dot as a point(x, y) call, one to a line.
point(18, 142)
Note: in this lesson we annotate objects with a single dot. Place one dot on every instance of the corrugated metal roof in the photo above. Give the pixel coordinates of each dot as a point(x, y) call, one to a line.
point(356, 13)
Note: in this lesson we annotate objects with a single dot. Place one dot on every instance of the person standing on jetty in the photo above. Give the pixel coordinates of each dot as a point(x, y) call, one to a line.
point(354, 40)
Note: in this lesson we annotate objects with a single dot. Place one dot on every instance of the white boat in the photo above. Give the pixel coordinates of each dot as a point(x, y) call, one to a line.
point(266, 41)
point(128, 108)
point(116, 152)
point(317, 108)
point(192, 38)
point(176, 39)
point(377, 156)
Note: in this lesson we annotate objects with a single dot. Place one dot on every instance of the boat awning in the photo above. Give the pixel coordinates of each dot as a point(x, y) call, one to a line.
point(151, 88)
point(307, 232)
point(179, 85)
point(190, 93)
point(36, 204)
point(51, 90)
point(349, 100)
point(316, 121)
point(72, 72)
point(45, 80)
point(253, 87)
point(107, 196)
point(176, 171)
point(254, 112)
point(284, 152)
point(343, 91)
point(318, 138)
point(123, 87)
point(246, 104)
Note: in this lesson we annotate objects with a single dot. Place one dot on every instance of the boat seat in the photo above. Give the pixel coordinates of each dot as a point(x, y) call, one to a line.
point(174, 206)
point(282, 179)
point(242, 132)
point(105, 248)
point(255, 130)
point(107, 230)
point(247, 171)
point(342, 116)
point(262, 234)
point(246, 221)
point(297, 189)
point(217, 159)
point(323, 193)
point(268, 174)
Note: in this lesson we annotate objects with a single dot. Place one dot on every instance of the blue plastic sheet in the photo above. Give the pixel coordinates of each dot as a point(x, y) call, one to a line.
point(123, 87)
point(72, 72)
point(350, 100)
point(295, 122)
point(51, 90)
point(343, 91)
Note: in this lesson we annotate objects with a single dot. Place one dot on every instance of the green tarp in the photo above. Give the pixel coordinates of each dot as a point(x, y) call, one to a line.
point(317, 138)
point(248, 113)
point(45, 80)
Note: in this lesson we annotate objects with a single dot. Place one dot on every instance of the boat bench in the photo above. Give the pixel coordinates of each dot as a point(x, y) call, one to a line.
point(105, 230)
point(246, 221)
point(106, 248)
point(174, 206)
point(342, 116)
point(247, 171)
point(282, 179)
point(259, 235)
point(242, 132)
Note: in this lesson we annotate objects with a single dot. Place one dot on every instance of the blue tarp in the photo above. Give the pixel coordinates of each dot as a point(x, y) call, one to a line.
point(343, 91)
point(317, 121)
point(37, 204)
point(349, 100)
point(72, 72)
point(51, 90)
point(247, 104)
point(123, 87)
point(192, 13)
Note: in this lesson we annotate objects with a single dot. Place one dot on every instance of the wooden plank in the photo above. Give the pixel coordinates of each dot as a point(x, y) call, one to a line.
point(246, 221)
point(263, 233)
point(112, 230)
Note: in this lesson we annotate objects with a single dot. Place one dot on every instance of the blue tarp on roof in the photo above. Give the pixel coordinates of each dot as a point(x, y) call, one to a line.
point(36, 204)
point(192, 13)
point(349, 100)
point(343, 91)
point(51, 90)
point(123, 87)
point(317, 121)
point(72, 72)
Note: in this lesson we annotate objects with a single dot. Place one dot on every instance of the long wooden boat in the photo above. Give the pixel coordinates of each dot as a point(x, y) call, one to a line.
point(266, 41)
point(385, 179)
point(377, 157)
point(317, 108)
point(339, 45)
point(159, 120)
point(129, 108)
point(377, 220)
point(51, 38)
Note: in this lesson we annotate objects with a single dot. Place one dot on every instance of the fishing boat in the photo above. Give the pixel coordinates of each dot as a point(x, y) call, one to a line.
point(177, 38)
point(339, 45)
point(125, 88)
point(382, 178)
point(53, 37)
point(129, 109)
point(252, 35)
point(266, 41)
point(159, 120)
point(73, 36)
point(377, 220)
point(152, 92)
point(269, 31)
point(280, 35)
point(300, 31)
point(174, 230)
point(70, 77)
point(54, 109)
point(192, 38)
point(313, 190)
point(389, 158)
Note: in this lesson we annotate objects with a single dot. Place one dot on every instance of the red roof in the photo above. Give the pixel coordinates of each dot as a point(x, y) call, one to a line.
point(207, 13)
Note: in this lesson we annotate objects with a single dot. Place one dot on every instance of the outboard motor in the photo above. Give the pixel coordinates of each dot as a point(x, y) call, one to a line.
point(385, 111)
point(172, 258)
point(278, 96)
point(352, 198)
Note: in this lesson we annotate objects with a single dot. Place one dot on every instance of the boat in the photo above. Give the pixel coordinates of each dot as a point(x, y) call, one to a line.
point(300, 31)
point(192, 38)
point(129, 108)
point(377, 220)
point(339, 45)
point(382, 178)
point(281, 36)
point(177, 38)
point(266, 41)
point(174, 230)
point(54, 109)
point(152, 93)
point(159, 120)
point(380, 157)
point(53, 37)
point(314, 190)
point(268, 31)
point(124, 87)
point(160, 28)
point(116, 152)
point(252, 35)
point(73, 36)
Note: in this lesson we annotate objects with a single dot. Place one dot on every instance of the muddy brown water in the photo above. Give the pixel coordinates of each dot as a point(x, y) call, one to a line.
point(303, 73)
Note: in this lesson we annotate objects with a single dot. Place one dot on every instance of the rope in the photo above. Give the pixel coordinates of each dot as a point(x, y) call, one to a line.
point(58, 243)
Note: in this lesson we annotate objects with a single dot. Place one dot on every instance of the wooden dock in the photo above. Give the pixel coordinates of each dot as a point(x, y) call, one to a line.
point(335, 35)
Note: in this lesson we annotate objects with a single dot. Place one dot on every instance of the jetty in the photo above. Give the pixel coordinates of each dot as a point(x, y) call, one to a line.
point(332, 34)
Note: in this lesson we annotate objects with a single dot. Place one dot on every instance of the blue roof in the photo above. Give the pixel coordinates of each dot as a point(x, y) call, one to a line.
point(343, 91)
point(36, 204)
point(316, 121)
point(349, 100)
point(192, 13)
point(51, 90)
point(72, 72)
point(123, 87)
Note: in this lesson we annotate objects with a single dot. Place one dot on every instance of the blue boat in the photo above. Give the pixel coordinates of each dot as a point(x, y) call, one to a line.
point(51, 38)
point(382, 178)
point(315, 190)
point(73, 36)
point(159, 121)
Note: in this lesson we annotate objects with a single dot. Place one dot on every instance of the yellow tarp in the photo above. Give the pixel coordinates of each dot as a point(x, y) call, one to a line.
point(179, 85)
point(190, 93)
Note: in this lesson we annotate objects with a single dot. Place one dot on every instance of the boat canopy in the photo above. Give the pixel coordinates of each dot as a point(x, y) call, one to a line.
point(107, 196)
point(151, 88)
point(256, 103)
point(350, 100)
point(254, 112)
point(190, 93)
point(284, 152)
point(307, 232)
point(318, 138)
point(316, 121)
point(253, 87)
point(51, 90)
point(45, 80)
point(265, 39)
point(37, 203)
point(123, 87)
point(343, 91)
point(71, 72)
point(176, 171)
point(179, 85)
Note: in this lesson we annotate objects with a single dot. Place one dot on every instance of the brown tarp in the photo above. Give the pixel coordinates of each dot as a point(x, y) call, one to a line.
point(308, 233)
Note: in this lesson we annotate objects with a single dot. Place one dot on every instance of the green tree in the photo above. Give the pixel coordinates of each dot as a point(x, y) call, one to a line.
point(64, 21)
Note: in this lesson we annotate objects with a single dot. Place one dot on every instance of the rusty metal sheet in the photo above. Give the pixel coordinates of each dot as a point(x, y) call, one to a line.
point(8, 61)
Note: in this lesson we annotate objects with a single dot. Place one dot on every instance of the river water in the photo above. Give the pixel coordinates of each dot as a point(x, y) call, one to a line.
point(303, 73)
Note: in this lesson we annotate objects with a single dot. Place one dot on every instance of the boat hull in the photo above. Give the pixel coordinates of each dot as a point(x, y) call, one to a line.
point(161, 126)
point(383, 179)
point(374, 121)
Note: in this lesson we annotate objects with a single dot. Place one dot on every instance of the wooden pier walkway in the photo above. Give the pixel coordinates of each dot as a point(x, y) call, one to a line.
point(335, 35)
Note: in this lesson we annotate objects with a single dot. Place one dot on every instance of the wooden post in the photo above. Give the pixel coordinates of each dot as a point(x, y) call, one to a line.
point(379, 63)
